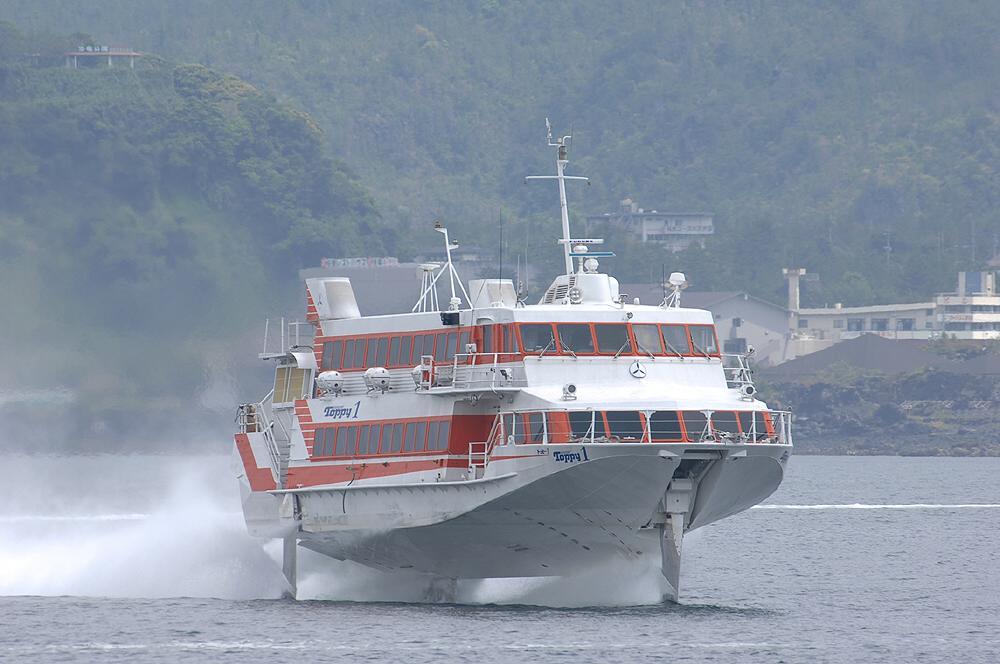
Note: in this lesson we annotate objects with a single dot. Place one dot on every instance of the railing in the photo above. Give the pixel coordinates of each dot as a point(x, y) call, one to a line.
point(738, 373)
point(289, 335)
point(479, 452)
point(254, 418)
point(472, 372)
point(509, 427)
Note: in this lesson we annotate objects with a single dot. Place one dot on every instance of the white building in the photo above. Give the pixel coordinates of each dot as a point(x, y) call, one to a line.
point(676, 231)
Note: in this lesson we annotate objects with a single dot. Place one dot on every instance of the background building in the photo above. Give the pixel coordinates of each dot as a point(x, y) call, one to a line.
point(674, 230)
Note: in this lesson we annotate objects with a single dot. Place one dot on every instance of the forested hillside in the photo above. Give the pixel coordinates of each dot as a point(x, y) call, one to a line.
point(857, 139)
point(147, 216)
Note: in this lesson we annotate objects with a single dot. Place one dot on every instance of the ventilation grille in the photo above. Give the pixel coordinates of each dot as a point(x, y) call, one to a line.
point(557, 292)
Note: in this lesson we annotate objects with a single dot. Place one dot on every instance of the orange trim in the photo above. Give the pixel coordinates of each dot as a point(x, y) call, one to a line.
point(260, 479)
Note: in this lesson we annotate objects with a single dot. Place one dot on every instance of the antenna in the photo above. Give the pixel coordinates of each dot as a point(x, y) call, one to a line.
point(428, 287)
point(500, 224)
point(562, 148)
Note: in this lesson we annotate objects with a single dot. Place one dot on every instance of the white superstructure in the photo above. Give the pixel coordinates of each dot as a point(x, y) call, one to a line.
point(478, 436)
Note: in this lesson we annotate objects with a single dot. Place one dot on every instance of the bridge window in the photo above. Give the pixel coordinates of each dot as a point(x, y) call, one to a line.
point(404, 351)
point(625, 424)
point(359, 354)
point(665, 425)
point(394, 352)
point(647, 338)
point(613, 339)
point(537, 337)
point(576, 337)
point(675, 339)
point(695, 424)
point(703, 339)
point(487, 340)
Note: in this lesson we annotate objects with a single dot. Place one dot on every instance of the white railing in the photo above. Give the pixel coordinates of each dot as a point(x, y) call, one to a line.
point(737, 369)
point(472, 372)
point(254, 418)
point(508, 427)
point(289, 335)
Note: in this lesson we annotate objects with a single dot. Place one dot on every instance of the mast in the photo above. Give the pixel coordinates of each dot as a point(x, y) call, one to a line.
point(562, 148)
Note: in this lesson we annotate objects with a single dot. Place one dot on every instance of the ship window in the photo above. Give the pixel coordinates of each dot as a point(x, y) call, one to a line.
point(665, 425)
point(373, 438)
point(576, 337)
point(513, 347)
point(725, 421)
point(613, 338)
point(451, 340)
point(280, 382)
point(487, 340)
point(464, 340)
point(703, 339)
point(537, 337)
point(746, 421)
point(580, 423)
point(428, 347)
point(320, 442)
point(380, 352)
point(625, 424)
point(404, 350)
point(442, 437)
point(384, 434)
point(441, 350)
point(419, 441)
point(331, 355)
point(359, 354)
point(694, 422)
point(432, 434)
point(349, 354)
point(418, 348)
point(675, 339)
point(394, 352)
point(345, 441)
point(396, 442)
point(369, 358)
point(648, 339)
point(535, 428)
point(363, 434)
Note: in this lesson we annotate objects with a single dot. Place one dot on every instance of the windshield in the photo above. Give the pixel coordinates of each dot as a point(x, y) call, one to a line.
point(613, 338)
point(537, 337)
point(576, 337)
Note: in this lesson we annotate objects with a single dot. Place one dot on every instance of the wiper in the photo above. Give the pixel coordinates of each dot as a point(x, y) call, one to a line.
point(621, 350)
point(671, 348)
point(651, 356)
point(566, 347)
point(697, 348)
point(547, 346)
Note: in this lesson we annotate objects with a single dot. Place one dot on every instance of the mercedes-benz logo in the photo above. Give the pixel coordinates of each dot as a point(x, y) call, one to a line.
point(636, 370)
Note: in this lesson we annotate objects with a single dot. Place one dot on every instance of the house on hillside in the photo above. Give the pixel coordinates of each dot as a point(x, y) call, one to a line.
point(676, 231)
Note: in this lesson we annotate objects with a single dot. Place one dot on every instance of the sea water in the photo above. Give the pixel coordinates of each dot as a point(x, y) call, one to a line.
point(876, 559)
